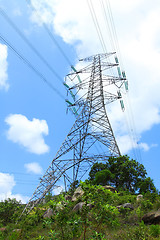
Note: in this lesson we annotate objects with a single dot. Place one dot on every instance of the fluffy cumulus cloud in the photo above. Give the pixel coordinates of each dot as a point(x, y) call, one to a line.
point(33, 167)
point(7, 183)
point(3, 67)
point(28, 133)
point(138, 28)
point(57, 190)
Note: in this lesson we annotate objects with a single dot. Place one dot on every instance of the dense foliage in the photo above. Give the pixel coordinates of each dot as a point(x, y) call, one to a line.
point(122, 173)
point(96, 214)
point(9, 210)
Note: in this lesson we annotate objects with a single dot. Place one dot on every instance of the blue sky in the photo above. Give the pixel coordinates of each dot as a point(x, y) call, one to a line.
point(33, 122)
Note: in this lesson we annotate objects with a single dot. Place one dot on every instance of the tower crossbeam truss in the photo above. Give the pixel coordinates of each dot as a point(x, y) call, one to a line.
point(92, 128)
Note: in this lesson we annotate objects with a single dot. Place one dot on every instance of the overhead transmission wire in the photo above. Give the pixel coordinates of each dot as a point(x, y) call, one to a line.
point(113, 39)
point(108, 26)
point(96, 24)
point(95, 21)
point(4, 14)
point(97, 27)
point(28, 63)
point(49, 32)
point(129, 122)
point(113, 29)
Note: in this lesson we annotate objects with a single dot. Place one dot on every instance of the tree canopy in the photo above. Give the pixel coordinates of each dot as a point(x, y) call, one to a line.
point(122, 173)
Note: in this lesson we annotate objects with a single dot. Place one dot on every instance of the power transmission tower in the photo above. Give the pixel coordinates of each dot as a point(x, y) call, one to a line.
point(91, 138)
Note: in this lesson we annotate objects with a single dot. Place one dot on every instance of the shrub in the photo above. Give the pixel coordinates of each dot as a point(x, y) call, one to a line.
point(9, 211)
point(155, 230)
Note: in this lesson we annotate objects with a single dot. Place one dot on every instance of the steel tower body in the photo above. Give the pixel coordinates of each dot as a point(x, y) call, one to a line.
point(91, 138)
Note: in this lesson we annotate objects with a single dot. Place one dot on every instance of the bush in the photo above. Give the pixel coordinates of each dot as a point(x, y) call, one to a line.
point(155, 230)
point(9, 211)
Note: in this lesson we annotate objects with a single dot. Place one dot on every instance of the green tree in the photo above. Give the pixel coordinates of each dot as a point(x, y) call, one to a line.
point(146, 185)
point(122, 173)
point(9, 210)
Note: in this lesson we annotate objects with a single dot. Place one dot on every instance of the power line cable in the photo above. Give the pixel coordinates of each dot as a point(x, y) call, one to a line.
point(49, 32)
point(3, 13)
point(108, 28)
point(97, 27)
point(95, 21)
point(35, 70)
point(113, 36)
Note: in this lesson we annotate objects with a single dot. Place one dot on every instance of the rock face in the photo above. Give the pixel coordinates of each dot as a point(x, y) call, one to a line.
point(77, 194)
point(48, 213)
point(139, 197)
point(110, 188)
point(126, 205)
point(152, 217)
point(78, 206)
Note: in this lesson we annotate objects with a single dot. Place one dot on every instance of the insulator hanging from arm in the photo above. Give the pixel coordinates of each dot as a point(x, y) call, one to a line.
point(126, 85)
point(119, 72)
point(116, 60)
point(70, 91)
point(124, 74)
point(77, 74)
point(118, 68)
point(66, 85)
point(122, 105)
point(67, 101)
point(73, 96)
point(119, 94)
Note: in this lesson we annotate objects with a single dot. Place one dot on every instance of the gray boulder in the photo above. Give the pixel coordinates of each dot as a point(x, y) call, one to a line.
point(78, 206)
point(152, 217)
point(77, 194)
point(126, 205)
point(48, 213)
point(139, 197)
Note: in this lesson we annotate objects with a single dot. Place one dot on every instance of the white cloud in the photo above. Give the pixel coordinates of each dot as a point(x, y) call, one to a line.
point(33, 167)
point(147, 147)
point(57, 190)
point(138, 27)
point(28, 133)
point(7, 184)
point(3, 67)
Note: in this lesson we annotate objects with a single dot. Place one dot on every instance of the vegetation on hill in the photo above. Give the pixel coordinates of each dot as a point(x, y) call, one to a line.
point(122, 173)
point(97, 213)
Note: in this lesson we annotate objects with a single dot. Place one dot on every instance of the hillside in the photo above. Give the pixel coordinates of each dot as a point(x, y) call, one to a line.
point(93, 212)
point(128, 208)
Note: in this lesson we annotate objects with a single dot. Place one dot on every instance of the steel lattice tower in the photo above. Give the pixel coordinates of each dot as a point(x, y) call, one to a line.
point(92, 128)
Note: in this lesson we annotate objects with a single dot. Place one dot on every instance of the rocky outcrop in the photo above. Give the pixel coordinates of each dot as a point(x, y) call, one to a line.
point(126, 205)
point(139, 197)
point(78, 206)
point(48, 213)
point(152, 217)
point(77, 194)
